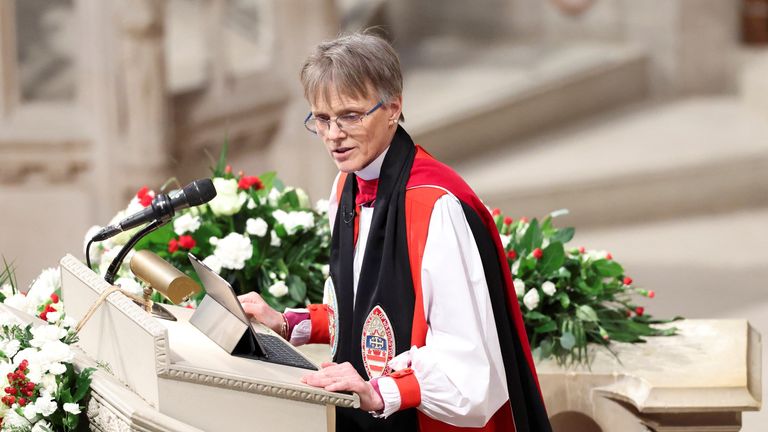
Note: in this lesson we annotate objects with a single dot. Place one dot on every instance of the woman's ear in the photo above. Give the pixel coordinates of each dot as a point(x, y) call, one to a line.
point(394, 108)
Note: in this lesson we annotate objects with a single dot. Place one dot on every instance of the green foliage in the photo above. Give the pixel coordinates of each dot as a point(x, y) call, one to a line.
point(587, 300)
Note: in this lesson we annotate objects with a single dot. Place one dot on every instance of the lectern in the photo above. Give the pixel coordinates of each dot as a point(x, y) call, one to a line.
point(176, 370)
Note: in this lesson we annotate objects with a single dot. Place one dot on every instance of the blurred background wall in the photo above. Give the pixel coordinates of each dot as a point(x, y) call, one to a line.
point(647, 119)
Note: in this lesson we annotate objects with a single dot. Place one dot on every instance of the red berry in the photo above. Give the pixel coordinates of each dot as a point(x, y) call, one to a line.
point(44, 316)
point(55, 298)
point(639, 310)
point(29, 393)
point(30, 386)
point(512, 255)
point(10, 390)
point(173, 245)
point(627, 280)
point(651, 294)
point(608, 256)
point(11, 400)
point(508, 220)
point(228, 169)
point(538, 253)
point(581, 249)
point(496, 212)
point(22, 401)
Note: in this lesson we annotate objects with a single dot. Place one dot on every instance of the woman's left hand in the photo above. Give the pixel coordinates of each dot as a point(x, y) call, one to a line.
point(343, 377)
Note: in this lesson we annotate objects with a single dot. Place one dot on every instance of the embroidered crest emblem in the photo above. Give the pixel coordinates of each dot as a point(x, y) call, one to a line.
point(333, 322)
point(378, 342)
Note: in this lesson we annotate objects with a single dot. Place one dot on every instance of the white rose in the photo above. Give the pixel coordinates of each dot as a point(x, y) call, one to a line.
point(19, 301)
point(228, 201)
point(275, 240)
point(13, 420)
point(186, 223)
point(131, 285)
point(505, 239)
point(72, 408)
point(519, 287)
point(11, 348)
point(30, 412)
point(531, 299)
point(53, 317)
point(45, 404)
point(274, 197)
point(549, 288)
point(213, 262)
point(295, 220)
point(251, 204)
point(278, 289)
point(233, 251)
point(257, 227)
point(322, 206)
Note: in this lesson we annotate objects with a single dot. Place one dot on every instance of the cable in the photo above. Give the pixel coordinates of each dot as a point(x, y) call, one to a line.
point(88, 254)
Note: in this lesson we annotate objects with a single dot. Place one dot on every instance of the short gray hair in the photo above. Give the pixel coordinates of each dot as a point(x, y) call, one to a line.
point(351, 63)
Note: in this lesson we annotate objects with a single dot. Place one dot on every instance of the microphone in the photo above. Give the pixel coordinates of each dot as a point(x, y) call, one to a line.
point(163, 207)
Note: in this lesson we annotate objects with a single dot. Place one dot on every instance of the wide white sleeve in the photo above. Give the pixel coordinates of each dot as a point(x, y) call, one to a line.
point(460, 370)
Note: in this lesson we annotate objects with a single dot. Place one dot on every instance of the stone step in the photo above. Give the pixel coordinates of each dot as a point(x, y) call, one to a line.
point(649, 161)
point(462, 98)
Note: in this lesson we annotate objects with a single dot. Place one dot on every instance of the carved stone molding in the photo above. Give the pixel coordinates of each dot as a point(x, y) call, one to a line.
point(267, 389)
point(56, 162)
point(102, 416)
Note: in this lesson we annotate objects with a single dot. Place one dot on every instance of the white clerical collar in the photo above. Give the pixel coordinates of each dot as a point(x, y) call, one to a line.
point(373, 169)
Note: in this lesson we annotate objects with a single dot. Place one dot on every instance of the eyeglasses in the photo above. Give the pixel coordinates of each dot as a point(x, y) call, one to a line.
point(347, 122)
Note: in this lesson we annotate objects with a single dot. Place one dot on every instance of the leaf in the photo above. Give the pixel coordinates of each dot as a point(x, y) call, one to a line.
point(568, 341)
point(268, 179)
point(607, 268)
point(563, 235)
point(534, 315)
point(553, 259)
point(586, 313)
point(221, 165)
point(546, 327)
point(297, 289)
point(531, 239)
point(565, 300)
point(83, 384)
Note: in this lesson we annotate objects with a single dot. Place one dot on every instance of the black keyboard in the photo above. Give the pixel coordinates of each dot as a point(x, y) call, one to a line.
point(278, 352)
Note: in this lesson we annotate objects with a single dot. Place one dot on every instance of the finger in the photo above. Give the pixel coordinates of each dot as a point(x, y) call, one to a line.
point(327, 364)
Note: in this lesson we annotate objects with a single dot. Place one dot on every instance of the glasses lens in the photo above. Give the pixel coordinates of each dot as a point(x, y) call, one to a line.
point(350, 121)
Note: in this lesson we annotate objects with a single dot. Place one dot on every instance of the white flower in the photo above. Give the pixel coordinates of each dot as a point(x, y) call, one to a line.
point(549, 288)
point(48, 383)
point(531, 299)
point(515, 266)
point(274, 197)
point(72, 408)
point(213, 262)
point(53, 317)
point(45, 404)
point(30, 411)
point(278, 289)
point(519, 287)
point(596, 255)
point(56, 368)
point(505, 239)
point(251, 204)
point(275, 240)
point(13, 420)
point(228, 201)
point(131, 285)
point(186, 223)
point(233, 251)
point(46, 333)
point(68, 322)
point(257, 227)
point(322, 206)
point(20, 302)
point(326, 270)
point(42, 426)
point(295, 220)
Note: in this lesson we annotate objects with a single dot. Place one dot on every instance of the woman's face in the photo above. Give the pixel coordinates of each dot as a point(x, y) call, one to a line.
point(353, 148)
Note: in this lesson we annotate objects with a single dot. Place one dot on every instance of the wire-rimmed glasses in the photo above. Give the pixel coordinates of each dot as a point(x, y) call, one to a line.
point(346, 122)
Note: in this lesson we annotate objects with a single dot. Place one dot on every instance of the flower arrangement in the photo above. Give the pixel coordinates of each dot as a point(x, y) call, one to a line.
point(41, 390)
point(257, 233)
point(571, 297)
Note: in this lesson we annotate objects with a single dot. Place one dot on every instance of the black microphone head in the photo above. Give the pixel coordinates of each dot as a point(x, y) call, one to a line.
point(199, 192)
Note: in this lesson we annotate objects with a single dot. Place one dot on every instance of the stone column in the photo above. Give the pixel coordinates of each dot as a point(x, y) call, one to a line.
point(8, 60)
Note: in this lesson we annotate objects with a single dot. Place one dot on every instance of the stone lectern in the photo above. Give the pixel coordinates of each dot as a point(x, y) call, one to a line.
point(172, 368)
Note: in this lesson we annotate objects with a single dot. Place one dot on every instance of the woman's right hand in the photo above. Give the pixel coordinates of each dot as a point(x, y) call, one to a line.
point(256, 308)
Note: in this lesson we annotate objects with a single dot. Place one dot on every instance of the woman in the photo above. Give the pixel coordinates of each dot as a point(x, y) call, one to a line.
point(420, 307)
